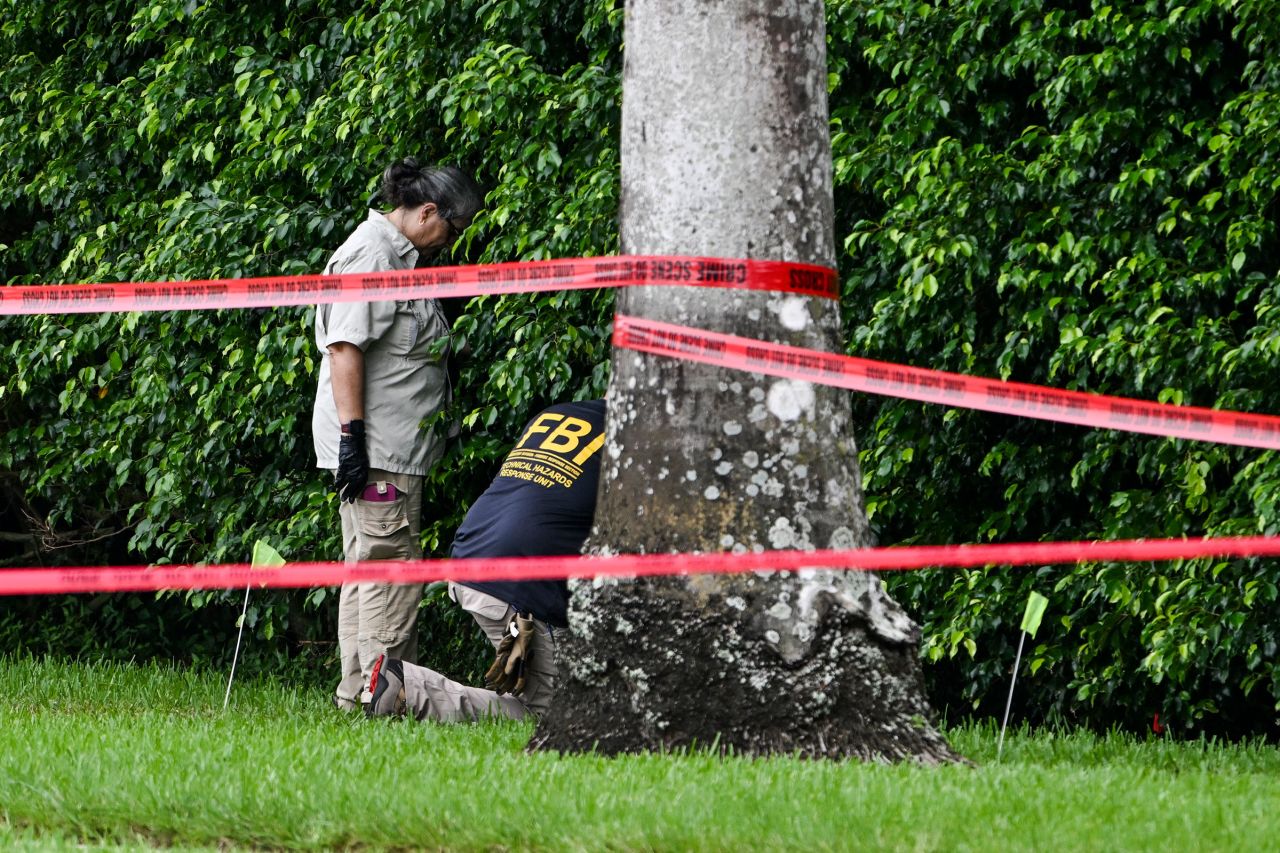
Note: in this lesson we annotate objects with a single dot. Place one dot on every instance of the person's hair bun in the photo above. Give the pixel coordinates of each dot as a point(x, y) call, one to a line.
point(405, 183)
point(398, 181)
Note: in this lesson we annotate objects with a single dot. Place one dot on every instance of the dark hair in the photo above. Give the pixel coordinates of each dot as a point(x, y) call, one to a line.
point(406, 184)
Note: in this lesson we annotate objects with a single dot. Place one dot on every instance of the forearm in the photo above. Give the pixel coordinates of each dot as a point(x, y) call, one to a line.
point(346, 367)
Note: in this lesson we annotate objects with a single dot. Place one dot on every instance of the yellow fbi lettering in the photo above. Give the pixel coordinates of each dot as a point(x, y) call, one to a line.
point(565, 438)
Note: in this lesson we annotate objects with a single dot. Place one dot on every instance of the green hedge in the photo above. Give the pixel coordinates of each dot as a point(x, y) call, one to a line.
point(1049, 192)
point(168, 141)
point(1084, 198)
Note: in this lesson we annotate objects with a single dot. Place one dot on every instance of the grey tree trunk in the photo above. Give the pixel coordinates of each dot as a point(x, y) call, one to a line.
point(726, 152)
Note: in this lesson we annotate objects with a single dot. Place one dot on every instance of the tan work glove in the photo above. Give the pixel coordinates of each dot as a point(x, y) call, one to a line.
point(506, 675)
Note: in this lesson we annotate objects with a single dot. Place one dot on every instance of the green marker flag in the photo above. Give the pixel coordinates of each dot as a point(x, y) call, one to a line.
point(1036, 604)
point(264, 556)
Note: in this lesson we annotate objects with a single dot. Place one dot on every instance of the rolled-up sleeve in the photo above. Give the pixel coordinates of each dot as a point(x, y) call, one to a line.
point(359, 323)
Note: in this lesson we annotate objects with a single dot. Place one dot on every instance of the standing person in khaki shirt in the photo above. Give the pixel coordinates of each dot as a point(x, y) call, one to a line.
point(381, 376)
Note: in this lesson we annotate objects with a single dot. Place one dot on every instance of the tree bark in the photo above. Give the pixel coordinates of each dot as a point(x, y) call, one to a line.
point(726, 152)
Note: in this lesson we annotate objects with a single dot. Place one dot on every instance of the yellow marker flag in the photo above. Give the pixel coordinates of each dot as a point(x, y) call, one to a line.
point(264, 555)
point(1036, 604)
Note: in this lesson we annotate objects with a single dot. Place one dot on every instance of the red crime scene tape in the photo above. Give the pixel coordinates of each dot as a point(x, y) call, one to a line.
point(665, 339)
point(141, 578)
point(426, 283)
point(951, 389)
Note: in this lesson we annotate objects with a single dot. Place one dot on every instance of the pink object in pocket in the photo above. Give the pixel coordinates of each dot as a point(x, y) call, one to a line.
point(380, 492)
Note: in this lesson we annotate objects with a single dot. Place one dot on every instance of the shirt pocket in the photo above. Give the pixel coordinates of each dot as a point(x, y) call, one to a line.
point(426, 327)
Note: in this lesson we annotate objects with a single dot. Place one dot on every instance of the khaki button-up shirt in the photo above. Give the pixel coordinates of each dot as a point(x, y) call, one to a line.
point(404, 378)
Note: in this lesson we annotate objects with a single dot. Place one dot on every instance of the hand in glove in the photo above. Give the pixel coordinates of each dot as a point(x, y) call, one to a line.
point(353, 463)
point(506, 675)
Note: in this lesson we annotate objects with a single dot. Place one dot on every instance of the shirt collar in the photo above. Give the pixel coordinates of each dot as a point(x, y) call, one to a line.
point(399, 243)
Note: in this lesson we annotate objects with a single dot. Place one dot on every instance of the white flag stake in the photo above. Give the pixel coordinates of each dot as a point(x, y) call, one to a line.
point(243, 610)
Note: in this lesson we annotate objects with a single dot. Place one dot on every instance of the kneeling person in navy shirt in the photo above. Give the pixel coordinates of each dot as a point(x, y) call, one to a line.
point(541, 503)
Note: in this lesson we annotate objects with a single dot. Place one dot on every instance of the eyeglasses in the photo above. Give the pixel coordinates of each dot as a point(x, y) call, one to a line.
point(454, 231)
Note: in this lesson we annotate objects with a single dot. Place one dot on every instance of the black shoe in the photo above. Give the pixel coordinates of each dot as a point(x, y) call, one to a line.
point(386, 689)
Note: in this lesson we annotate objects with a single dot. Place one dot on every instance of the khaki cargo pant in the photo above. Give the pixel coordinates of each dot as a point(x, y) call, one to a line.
point(374, 618)
point(431, 696)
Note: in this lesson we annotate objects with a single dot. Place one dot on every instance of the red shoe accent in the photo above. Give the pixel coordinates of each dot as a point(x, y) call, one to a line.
point(373, 676)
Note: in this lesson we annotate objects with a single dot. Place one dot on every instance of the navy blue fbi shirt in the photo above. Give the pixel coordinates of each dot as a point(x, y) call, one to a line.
point(540, 504)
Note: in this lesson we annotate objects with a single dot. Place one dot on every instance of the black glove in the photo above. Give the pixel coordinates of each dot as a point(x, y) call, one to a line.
point(353, 463)
point(506, 675)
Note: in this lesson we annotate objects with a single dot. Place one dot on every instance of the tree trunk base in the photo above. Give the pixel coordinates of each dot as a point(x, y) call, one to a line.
point(762, 664)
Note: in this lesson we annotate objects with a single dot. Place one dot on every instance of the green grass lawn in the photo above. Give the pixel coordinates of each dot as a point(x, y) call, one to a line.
point(119, 757)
